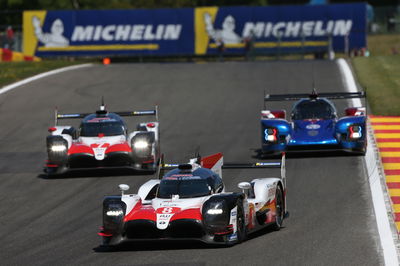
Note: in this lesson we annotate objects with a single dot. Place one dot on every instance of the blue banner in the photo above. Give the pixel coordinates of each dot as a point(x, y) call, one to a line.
point(198, 31)
point(109, 32)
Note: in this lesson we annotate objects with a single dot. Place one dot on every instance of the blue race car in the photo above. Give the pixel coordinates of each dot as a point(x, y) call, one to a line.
point(314, 125)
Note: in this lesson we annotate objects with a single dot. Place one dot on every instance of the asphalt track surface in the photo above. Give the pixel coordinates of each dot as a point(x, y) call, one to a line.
point(215, 106)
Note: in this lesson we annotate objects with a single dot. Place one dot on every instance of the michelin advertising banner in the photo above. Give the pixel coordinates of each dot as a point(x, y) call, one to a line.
point(194, 31)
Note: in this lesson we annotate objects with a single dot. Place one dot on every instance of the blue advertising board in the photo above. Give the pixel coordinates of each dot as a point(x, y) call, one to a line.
point(194, 31)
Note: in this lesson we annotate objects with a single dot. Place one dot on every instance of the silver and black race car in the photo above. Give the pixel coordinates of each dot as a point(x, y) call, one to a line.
point(190, 203)
point(102, 141)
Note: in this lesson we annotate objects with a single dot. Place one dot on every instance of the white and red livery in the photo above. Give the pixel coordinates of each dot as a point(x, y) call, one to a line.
point(190, 203)
point(102, 141)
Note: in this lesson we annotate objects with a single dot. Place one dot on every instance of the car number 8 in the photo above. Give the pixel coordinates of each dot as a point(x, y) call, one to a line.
point(167, 210)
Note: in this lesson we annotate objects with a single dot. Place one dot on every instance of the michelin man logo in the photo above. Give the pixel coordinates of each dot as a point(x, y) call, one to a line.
point(53, 39)
point(227, 34)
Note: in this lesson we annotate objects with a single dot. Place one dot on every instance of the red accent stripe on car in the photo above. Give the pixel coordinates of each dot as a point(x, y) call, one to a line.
point(79, 148)
point(188, 214)
point(140, 212)
point(104, 234)
point(124, 147)
point(210, 161)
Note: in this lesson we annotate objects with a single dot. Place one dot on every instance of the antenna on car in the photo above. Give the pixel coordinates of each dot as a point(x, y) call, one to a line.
point(197, 155)
point(160, 171)
point(314, 93)
point(102, 106)
point(102, 110)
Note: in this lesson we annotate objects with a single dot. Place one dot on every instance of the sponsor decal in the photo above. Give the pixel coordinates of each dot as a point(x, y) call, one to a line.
point(164, 216)
point(101, 119)
point(232, 237)
point(99, 150)
point(313, 126)
point(233, 219)
point(271, 192)
point(99, 153)
point(126, 33)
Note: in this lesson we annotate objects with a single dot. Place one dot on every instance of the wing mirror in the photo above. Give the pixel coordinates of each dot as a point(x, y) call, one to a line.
point(244, 186)
point(123, 188)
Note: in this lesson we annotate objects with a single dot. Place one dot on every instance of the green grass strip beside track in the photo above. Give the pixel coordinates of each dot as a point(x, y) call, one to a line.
point(14, 71)
point(380, 76)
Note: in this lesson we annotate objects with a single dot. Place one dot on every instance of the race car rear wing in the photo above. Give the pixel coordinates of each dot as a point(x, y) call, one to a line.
point(281, 165)
point(216, 164)
point(328, 95)
point(125, 113)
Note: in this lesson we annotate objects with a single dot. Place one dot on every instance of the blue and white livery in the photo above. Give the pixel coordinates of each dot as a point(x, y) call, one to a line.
point(314, 124)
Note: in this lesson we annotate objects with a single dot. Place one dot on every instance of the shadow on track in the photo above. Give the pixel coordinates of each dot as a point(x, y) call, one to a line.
point(153, 245)
point(303, 154)
point(94, 173)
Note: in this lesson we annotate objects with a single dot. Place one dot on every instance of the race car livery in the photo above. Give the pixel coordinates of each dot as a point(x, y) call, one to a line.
point(103, 141)
point(190, 203)
point(314, 125)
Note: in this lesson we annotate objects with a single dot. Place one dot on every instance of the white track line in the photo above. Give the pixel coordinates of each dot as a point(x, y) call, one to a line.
point(42, 75)
point(371, 160)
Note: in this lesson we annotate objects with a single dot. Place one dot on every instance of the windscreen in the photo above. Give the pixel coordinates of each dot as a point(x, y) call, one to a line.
point(316, 109)
point(185, 188)
point(107, 128)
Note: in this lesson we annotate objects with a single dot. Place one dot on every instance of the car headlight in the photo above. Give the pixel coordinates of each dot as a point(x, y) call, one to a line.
point(58, 148)
point(140, 144)
point(114, 213)
point(355, 132)
point(214, 211)
point(271, 134)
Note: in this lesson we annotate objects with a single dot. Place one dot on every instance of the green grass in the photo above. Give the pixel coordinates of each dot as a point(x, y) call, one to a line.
point(14, 71)
point(380, 76)
point(384, 44)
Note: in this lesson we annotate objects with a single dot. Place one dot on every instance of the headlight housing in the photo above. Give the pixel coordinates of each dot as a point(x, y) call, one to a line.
point(355, 131)
point(58, 148)
point(214, 211)
point(140, 144)
point(271, 134)
point(114, 212)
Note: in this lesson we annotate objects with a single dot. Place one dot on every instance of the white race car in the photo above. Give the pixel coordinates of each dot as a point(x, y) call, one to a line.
point(103, 141)
point(190, 203)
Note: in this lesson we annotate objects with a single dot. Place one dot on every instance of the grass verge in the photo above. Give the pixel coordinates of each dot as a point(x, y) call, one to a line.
point(14, 71)
point(379, 75)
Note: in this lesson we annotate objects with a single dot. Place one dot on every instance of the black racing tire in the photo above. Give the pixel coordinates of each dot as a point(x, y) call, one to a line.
point(279, 208)
point(240, 223)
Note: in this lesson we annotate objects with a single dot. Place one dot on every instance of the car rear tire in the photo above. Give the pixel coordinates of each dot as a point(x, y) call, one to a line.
point(279, 209)
point(240, 223)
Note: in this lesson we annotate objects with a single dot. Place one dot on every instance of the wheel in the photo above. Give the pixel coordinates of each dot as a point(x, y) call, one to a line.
point(240, 223)
point(279, 209)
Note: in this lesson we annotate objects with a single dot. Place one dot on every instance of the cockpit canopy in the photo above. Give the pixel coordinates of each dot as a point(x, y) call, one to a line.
point(189, 184)
point(106, 125)
point(313, 109)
